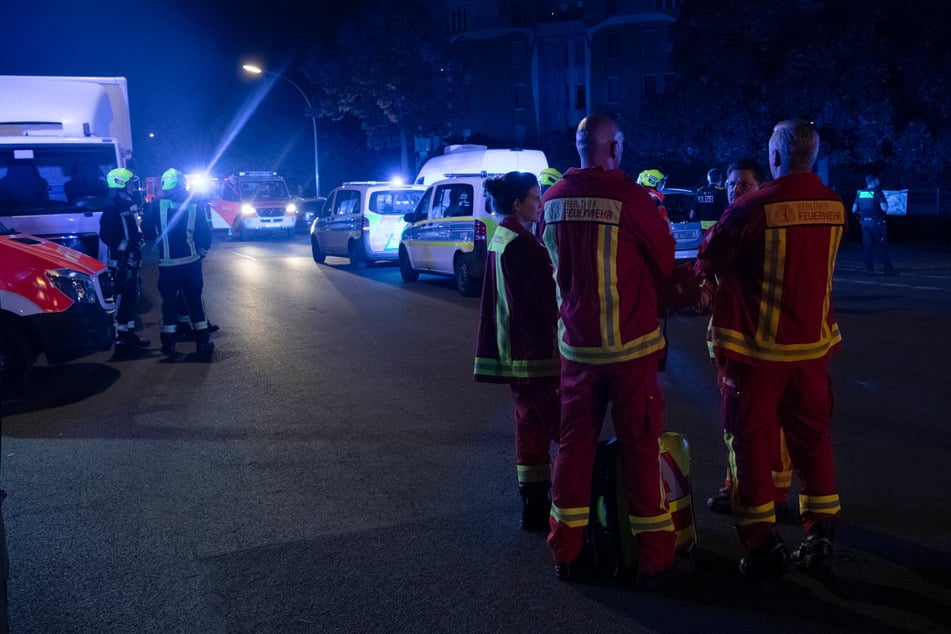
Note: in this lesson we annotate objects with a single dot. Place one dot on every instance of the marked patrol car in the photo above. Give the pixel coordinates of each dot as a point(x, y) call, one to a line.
point(449, 233)
point(687, 233)
point(363, 221)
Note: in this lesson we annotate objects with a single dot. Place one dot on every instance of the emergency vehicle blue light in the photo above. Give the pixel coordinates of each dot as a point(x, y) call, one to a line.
point(397, 180)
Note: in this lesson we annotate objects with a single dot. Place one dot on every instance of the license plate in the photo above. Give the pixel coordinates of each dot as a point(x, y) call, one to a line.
point(690, 234)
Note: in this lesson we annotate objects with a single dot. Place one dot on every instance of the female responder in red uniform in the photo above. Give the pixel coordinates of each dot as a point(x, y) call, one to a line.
point(516, 340)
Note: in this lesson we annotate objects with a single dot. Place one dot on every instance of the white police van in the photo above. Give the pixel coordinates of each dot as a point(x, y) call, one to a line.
point(449, 232)
point(363, 221)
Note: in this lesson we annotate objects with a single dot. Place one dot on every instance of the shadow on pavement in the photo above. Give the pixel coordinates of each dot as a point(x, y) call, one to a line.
point(59, 385)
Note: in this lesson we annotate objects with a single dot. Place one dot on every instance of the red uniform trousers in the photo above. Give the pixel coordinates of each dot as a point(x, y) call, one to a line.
point(757, 401)
point(632, 389)
point(537, 417)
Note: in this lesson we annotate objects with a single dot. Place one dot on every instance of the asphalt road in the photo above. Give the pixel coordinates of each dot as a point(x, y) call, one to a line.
point(335, 469)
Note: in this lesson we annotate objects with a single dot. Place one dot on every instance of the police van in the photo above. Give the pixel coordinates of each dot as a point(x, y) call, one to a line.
point(363, 221)
point(480, 159)
point(449, 232)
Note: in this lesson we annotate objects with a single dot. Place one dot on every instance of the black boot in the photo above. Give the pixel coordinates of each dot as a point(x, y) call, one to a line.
point(129, 338)
point(815, 554)
point(203, 347)
point(767, 562)
point(168, 344)
point(536, 506)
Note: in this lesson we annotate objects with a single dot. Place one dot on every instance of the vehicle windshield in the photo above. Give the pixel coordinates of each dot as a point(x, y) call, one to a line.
point(264, 190)
point(396, 201)
point(48, 178)
point(678, 205)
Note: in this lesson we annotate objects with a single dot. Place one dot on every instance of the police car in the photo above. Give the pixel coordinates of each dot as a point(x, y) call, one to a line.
point(363, 221)
point(449, 233)
point(687, 232)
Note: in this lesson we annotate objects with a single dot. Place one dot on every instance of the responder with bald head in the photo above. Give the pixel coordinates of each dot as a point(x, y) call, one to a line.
point(606, 239)
point(773, 331)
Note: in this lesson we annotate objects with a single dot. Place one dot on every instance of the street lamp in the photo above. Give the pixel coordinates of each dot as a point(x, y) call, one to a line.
point(257, 70)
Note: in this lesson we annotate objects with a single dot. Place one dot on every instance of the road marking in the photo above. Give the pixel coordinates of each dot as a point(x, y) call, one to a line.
point(244, 255)
point(889, 284)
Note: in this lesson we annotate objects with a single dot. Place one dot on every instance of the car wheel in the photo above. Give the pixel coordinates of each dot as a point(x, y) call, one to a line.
point(316, 251)
point(407, 272)
point(358, 258)
point(467, 285)
point(16, 361)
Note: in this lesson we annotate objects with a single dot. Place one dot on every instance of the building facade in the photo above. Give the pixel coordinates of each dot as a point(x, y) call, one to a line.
point(536, 67)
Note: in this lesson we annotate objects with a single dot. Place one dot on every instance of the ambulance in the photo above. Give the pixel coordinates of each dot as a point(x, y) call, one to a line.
point(252, 203)
point(54, 301)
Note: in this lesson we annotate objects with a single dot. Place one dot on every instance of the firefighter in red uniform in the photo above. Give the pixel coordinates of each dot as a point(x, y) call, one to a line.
point(607, 240)
point(773, 330)
point(516, 340)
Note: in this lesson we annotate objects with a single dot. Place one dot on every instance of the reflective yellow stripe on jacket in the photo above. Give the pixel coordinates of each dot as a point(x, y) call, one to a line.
point(762, 344)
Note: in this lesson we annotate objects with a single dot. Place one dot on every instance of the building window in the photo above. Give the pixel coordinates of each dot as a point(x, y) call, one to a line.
point(581, 103)
point(520, 132)
point(614, 89)
point(649, 44)
point(458, 20)
point(520, 96)
point(650, 85)
point(518, 54)
point(614, 45)
point(578, 52)
point(668, 83)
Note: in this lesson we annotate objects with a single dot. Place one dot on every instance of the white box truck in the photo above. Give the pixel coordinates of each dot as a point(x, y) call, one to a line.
point(479, 160)
point(59, 137)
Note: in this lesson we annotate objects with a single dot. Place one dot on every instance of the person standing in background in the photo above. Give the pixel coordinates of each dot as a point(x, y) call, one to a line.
point(871, 207)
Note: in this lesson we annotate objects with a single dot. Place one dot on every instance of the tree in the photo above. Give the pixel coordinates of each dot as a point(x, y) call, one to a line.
point(392, 69)
point(872, 76)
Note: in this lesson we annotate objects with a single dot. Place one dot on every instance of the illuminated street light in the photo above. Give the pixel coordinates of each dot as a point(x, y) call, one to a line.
point(257, 70)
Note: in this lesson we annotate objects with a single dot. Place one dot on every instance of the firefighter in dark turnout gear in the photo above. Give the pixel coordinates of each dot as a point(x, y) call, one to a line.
point(516, 340)
point(119, 230)
point(183, 237)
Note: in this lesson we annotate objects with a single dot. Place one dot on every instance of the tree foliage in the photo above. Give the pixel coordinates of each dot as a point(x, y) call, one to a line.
point(872, 76)
point(391, 68)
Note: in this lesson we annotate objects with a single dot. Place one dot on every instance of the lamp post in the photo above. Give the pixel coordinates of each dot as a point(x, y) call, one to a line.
point(257, 70)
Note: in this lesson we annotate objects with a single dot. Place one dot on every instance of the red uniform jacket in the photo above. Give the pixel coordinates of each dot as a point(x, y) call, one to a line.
point(518, 316)
point(773, 252)
point(607, 241)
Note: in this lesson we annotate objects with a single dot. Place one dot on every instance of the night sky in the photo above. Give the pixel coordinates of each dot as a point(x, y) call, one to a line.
point(183, 64)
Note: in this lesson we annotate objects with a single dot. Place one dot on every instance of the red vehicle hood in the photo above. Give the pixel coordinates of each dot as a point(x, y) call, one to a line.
point(56, 255)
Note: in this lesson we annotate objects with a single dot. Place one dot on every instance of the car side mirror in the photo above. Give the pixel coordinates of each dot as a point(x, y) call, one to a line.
point(410, 217)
